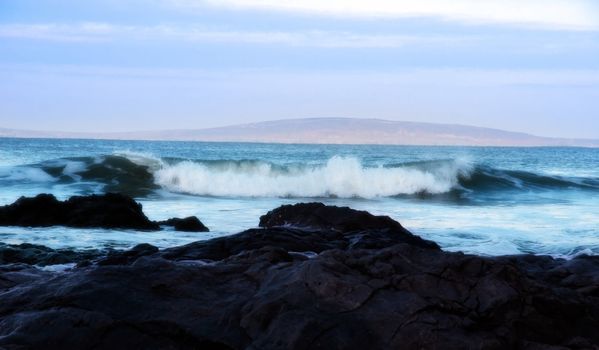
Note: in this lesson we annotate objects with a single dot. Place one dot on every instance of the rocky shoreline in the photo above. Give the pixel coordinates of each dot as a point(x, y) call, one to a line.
point(311, 277)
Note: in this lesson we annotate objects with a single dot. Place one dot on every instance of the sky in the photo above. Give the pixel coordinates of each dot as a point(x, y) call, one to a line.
point(113, 65)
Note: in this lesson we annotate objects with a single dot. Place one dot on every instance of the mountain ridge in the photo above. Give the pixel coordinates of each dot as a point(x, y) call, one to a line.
point(330, 131)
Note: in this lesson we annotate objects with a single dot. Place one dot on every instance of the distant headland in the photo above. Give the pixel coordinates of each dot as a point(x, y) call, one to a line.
point(330, 131)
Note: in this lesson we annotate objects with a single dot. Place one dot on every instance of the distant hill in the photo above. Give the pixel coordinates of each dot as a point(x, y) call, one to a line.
point(334, 131)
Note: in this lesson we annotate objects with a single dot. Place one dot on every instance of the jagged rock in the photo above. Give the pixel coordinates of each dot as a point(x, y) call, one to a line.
point(109, 211)
point(105, 211)
point(401, 297)
point(291, 288)
point(322, 217)
point(34, 254)
point(317, 216)
point(12, 275)
point(188, 224)
point(128, 256)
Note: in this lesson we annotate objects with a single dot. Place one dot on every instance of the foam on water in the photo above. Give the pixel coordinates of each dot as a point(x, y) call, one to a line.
point(25, 174)
point(473, 199)
point(139, 174)
point(72, 168)
point(343, 177)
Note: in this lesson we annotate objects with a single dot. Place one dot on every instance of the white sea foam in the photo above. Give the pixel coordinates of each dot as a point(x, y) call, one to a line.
point(25, 174)
point(72, 168)
point(57, 267)
point(343, 177)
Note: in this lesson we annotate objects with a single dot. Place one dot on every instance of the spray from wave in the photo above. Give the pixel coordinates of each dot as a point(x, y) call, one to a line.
point(339, 177)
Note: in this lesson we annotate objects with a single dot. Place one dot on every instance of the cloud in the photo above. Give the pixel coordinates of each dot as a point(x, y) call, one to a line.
point(94, 32)
point(69, 97)
point(57, 32)
point(549, 14)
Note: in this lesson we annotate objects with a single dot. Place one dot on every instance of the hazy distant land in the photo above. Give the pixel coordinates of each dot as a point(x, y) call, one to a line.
point(333, 131)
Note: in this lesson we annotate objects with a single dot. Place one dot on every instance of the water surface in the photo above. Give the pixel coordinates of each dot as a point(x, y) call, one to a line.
point(486, 200)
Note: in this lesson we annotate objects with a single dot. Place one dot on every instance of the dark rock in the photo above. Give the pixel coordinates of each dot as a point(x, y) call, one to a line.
point(400, 297)
point(12, 275)
point(42, 210)
point(188, 224)
point(104, 211)
point(293, 240)
point(128, 256)
point(290, 288)
point(290, 239)
point(322, 217)
point(318, 216)
point(110, 210)
point(33, 254)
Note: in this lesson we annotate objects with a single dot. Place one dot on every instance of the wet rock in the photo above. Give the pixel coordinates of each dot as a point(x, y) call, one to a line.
point(127, 256)
point(108, 211)
point(289, 239)
point(12, 275)
point(322, 217)
point(34, 254)
point(400, 297)
point(360, 289)
point(317, 216)
point(97, 211)
point(188, 224)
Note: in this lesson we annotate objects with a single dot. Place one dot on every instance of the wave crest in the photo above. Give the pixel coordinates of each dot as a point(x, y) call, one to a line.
point(343, 177)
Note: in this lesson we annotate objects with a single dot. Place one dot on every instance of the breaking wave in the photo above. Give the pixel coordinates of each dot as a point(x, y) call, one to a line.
point(342, 177)
point(339, 177)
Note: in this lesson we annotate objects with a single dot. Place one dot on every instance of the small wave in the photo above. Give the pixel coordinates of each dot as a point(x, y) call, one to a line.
point(24, 174)
point(486, 179)
point(117, 173)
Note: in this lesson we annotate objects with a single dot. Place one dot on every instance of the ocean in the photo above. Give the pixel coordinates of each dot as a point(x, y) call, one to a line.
point(483, 200)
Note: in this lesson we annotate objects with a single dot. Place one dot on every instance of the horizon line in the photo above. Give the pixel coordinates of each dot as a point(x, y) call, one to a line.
point(467, 136)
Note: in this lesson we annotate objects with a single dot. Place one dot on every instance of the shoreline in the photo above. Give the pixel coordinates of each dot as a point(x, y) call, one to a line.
point(312, 276)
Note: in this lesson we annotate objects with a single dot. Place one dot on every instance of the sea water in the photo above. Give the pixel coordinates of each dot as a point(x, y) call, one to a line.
point(484, 200)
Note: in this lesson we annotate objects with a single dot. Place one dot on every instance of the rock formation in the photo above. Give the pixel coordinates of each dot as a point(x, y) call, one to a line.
point(109, 211)
point(330, 278)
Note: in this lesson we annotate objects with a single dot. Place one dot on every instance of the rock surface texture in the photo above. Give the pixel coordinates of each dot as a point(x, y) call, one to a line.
point(330, 278)
point(34, 254)
point(109, 211)
point(188, 224)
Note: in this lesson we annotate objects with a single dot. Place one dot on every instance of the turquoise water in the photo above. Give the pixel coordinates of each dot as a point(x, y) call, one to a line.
point(485, 200)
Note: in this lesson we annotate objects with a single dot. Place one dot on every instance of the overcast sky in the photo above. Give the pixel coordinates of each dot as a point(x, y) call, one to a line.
point(113, 65)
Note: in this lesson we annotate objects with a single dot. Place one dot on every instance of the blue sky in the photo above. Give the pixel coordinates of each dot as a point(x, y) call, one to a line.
point(527, 65)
